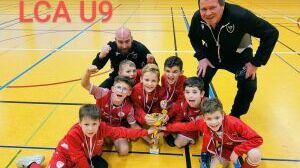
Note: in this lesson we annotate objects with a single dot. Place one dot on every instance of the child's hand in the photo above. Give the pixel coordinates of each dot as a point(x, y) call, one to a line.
point(152, 141)
point(233, 156)
point(92, 69)
point(162, 128)
point(105, 50)
point(149, 120)
point(135, 126)
point(165, 119)
point(152, 130)
point(150, 59)
point(199, 117)
point(163, 104)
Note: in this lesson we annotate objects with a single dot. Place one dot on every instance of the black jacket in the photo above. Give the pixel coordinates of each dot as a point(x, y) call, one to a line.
point(221, 44)
point(137, 54)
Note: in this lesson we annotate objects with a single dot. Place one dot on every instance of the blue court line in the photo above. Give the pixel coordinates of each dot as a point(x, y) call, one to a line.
point(49, 54)
point(185, 20)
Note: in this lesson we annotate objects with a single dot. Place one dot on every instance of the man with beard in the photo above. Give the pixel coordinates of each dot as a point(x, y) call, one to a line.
point(124, 47)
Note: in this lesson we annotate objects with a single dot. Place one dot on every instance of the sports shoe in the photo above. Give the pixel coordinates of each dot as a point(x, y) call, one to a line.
point(28, 160)
point(170, 140)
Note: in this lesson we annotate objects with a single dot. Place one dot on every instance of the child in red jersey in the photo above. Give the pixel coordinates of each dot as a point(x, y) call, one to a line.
point(172, 82)
point(225, 137)
point(147, 94)
point(186, 111)
point(116, 108)
point(128, 68)
point(82, 146)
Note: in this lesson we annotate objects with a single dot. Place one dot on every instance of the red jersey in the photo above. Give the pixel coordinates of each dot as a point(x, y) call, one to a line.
point(114, 116)
point(182, 112)
point(175, 92)
point(145, 104)
point(236, 136)
point(138, 76)
point(73, 148)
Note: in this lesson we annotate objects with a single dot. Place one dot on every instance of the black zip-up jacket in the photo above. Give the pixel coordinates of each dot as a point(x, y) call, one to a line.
point(221, 44)
point(137, 54)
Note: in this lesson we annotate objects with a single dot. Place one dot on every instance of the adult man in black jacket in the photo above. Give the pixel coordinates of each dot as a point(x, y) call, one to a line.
point(124, 47)
point(220, 35)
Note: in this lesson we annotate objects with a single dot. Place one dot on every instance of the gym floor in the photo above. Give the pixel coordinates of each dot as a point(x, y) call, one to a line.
point(41, 65)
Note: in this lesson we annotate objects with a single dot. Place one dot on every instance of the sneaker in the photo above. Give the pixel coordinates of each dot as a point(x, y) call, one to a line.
point(170, 140)
point(28, 160)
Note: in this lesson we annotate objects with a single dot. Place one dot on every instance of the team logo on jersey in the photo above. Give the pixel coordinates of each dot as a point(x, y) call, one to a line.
point(230, 28)
point(121, 114)
point(204, 43)
point(202, 26)
point(117, 53)
point(133, 55)
point(65, 146)
point(59, 164)
point(139, 97)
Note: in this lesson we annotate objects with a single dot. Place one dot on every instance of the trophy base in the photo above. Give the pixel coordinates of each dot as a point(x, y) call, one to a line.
point(154, 150)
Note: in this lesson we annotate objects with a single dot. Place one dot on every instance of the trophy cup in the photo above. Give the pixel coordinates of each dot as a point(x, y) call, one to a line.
point(158, 117)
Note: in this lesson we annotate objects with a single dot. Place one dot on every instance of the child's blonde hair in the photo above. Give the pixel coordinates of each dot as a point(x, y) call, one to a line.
point(151, 68)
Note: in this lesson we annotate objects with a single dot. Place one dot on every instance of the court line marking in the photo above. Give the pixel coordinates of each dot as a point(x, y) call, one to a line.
point(15, 19)
point(27, 35)
point(108, 151)
point(186, 148)
point(276, 13)
point(288, 28)
point(51, 53)
point(212, 92)
point(271, 159)
point(7, 7)
point(174, 34)
point(282, 59)
point(286, 62)
point(57, 83)
point(153, 51)
point(138, 152)
point(106, 30)
point(6, 26)
point(43, 103)
point(42, 123)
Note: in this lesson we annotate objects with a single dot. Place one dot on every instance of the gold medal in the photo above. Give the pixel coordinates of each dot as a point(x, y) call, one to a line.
point(164, 111)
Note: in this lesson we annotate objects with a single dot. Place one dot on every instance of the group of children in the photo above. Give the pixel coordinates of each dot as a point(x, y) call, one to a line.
point(123, 112)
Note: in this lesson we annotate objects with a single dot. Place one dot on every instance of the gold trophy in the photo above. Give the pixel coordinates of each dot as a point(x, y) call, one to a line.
point(159, 121)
